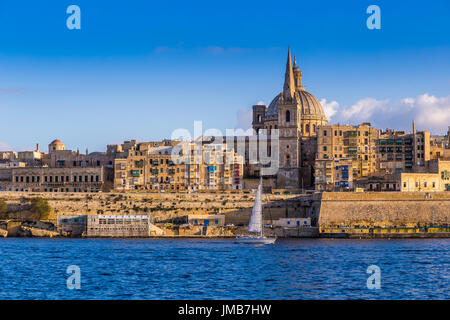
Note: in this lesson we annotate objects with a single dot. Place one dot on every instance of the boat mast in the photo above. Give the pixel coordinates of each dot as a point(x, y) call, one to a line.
point(262, 215)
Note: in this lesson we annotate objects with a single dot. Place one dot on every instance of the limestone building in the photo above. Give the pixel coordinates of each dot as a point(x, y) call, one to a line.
point(297, 115)
point(338, 144)
point(60, 170)
point(151, 166)
point(148, 166)
point(403, 152)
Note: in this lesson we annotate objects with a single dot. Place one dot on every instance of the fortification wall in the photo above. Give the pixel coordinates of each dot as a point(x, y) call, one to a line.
point(384, 209)
point(160, 206)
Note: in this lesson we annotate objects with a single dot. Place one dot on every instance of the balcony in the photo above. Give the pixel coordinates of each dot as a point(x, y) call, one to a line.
point(135, 173)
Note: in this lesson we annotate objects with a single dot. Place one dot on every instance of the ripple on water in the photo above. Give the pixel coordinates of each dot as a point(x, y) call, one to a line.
point(219, 269)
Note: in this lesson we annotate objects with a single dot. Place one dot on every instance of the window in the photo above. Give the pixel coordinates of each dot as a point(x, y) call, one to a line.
point(325, 133)
point(314, 128)
point(307, 128)
point(288, 116)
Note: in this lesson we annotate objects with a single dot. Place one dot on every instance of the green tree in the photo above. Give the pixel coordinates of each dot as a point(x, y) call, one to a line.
point(3, 209)
point(40, 208)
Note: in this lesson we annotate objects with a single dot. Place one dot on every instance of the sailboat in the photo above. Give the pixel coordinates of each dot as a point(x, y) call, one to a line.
point(256, 223)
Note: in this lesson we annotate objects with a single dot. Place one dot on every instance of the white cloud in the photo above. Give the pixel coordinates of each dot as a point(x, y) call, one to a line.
point(330, 108)
point(429, 112)
point(433, 112)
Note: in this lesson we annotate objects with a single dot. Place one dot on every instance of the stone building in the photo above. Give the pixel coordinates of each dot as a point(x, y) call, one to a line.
point(221, 169)
point(148, 166)
point(31, 158)
point(45, 179)
point(343, 143)
point(440, 148)
point(151, 166)
point(118, 226)
point(435, 178)
point(60, 170)
point(8, 155)
point(403, 152)
point(334, 174)
point(297, 115)
point(108, 225)
point(59, 157)
point(377, 157)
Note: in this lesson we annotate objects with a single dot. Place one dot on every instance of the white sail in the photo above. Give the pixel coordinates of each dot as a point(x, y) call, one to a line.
point(255, 224)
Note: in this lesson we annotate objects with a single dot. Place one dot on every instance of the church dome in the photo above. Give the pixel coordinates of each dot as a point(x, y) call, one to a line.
point(56, 145)
point(57, 141)
point(310, 106)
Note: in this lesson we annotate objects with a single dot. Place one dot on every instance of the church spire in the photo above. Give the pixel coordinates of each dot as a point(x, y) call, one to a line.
point(297, 76)
point(289, 85)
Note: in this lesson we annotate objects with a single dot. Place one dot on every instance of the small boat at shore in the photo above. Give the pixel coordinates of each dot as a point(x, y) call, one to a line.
point(256, 223)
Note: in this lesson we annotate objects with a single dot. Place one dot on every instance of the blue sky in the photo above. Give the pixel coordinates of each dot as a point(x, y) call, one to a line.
point(140, 69)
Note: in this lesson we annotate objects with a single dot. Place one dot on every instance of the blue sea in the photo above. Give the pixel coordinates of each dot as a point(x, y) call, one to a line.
point(220, 269)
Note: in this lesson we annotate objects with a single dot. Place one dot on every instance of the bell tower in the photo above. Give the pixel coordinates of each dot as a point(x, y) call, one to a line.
point(289, 118)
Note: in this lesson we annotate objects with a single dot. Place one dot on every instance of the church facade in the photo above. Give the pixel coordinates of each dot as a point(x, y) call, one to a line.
point(297, 115)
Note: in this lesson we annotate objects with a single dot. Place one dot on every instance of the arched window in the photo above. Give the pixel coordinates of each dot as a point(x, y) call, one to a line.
point(307, 128)
point(288, 161)
point(288, 116)
point(314, 128)
point(259, 118)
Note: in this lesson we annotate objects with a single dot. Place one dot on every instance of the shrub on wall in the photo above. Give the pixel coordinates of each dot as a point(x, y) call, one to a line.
point(3, 209)
point(40, 208)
